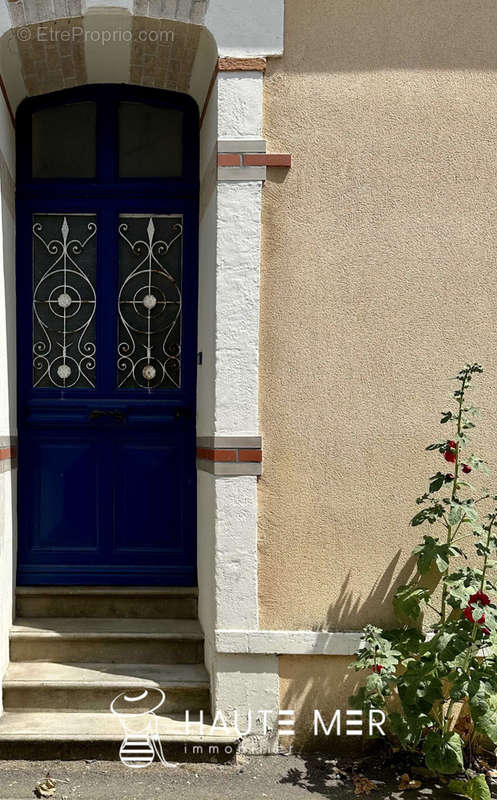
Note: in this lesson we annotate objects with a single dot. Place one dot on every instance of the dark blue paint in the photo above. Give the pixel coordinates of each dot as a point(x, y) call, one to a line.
point(111, 499)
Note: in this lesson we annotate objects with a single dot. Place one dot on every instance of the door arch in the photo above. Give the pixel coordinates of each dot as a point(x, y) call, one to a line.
point(107, 221)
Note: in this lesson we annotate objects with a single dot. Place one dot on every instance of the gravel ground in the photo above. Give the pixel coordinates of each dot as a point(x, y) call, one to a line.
point(255, 778)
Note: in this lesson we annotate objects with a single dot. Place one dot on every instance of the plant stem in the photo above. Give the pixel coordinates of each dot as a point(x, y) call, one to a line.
point(443, 610)
point(487, 546)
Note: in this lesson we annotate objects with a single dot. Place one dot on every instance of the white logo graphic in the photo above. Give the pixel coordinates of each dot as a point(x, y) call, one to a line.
point(136, 713)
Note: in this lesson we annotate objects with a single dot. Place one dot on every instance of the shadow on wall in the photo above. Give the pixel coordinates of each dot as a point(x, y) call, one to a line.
point(313, 683)
point(377, 605)
point(310, 684)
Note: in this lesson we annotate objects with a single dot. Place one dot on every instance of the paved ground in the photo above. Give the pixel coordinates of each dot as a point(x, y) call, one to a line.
point(256, 778)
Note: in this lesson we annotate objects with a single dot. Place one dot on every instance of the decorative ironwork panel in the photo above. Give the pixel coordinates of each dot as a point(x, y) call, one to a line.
point(150, 273)
point(64, 300)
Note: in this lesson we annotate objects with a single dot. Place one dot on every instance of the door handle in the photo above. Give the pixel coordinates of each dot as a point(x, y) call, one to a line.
point(98, 413)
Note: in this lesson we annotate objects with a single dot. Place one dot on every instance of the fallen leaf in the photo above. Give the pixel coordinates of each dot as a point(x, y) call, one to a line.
point(405, 782)
point(45, 788)
point(362, 785)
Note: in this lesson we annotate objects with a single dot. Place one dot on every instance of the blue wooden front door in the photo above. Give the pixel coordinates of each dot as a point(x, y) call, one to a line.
point(107, 223)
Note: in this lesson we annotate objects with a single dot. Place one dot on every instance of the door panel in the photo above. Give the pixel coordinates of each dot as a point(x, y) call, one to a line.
point(149, 498)
point(107, 341)
point(107, 491)
point(66, 477)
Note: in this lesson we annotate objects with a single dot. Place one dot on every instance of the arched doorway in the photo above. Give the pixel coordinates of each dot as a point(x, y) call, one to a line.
point(107, 220)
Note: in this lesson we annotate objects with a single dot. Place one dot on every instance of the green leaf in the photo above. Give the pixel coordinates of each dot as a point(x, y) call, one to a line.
point(483, 706)
point(446, 417)
point(443, 753)
point(374, 683)
point(455, 514)
point(436, 482)
point(476, 788)
point(461, 585)
point(407, 728)
point(432, 550)
point(470, 512)
point(477, 463)
point(430, 514)
point(407, 601)
point(426, 553)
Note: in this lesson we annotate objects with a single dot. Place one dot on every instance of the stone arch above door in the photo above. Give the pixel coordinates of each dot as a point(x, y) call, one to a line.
point(105, 46)
point(47, 45)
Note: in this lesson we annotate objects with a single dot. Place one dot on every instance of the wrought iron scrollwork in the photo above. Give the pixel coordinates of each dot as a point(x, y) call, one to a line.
point(64, 301)
point(149, 302)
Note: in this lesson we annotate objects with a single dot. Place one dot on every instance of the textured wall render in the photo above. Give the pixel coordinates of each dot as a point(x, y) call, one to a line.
point(378, 282)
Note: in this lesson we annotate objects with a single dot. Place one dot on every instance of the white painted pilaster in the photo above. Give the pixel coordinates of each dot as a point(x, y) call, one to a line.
point(239, 681)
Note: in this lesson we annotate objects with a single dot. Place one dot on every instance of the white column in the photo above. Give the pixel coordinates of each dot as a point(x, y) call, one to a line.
point(241, 682)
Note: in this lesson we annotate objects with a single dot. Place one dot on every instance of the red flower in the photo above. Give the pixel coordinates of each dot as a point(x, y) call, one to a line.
point(450, 455)
point(376, 668)
point(449, 477)
point(451, 443)
point(466, 469)
point(485, 631)
point(480, 597)
point(468, 613)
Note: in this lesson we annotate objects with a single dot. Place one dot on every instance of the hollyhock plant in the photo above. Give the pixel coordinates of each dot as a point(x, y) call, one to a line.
point(443, 653)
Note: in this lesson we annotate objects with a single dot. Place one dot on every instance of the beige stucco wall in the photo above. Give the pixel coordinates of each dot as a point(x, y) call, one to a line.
point(379, 281)
point(322, 683)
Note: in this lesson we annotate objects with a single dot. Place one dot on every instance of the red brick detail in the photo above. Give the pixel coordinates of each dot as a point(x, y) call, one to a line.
point(241, 64)
point(7, 452)
point(267, 160)
point(229, 160)
point(250, 455)
point(216, 455)
point(240, 456)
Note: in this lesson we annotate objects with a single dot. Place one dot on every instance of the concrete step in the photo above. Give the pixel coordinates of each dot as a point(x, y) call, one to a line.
point(95, 640)
point(45, 686)
point(47, 736)
point(107, 601)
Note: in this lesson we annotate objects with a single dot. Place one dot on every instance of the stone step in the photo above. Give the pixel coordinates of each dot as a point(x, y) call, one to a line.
point(107, 601)
point(45, 686)
point(95, 640)
point(41, 736)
